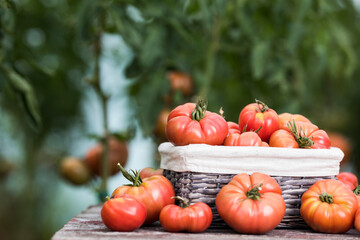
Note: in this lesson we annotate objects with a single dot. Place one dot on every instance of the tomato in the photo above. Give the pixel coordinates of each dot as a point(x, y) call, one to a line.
point(123, 213)
point(283, 138)
point(256, 115)
point(349, 179)
point(265, 144)
point(329, 206)
point(300, 135)
point(154, 192)
point(161, 125)
point(288, 117)
point(233, 128)
point(75, 170)
point(195, 218)
point(357, 220)
point(192, 124)
point(149, 171)
point(340, 141)
point(251, 204)
point(356, 191)
point(180, 81)
point(243, 139)
point(118, 153)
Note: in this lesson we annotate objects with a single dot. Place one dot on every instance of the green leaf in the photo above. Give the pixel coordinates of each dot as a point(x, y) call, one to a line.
point(27, 96)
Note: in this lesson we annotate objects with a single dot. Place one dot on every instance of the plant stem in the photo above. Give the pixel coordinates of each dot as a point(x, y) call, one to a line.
point(104, 169)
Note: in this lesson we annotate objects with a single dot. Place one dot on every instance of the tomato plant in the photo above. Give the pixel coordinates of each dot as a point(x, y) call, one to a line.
point(329, 206)
point(191, 124)
point(251, 204)
point(149, 171)
point(123, 213)
point(154, 192)
point(256, 115)
point(349, 179)
point(194, 218)
point(118, 153)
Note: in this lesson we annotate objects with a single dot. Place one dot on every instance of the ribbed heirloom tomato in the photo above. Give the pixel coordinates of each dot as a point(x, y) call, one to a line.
point(251, 204)
point(349, 179)
point(329, 206)
point(194, 218)
point(154, 192)
point(256, 115)
point(149, 171)
point(191, 124)
point(300, 135)
point(123, 213)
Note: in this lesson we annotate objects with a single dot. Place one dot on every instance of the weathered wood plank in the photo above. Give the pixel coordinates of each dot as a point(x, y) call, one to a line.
point(88, 225)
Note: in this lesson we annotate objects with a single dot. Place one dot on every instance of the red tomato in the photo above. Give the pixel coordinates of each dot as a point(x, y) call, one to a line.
point(349, 179)
point(243, 139)
point(357, 220)
point(154, 192)
point(123, 213)
point(256, 115)
point(195, 218)
point(251, 204)
point(192, 124)
point(265, 144)
point(149, 171)
point(233, 128)
point(118, 153)
point(282, 138)
point(329, 206)
point(288, 117)
point(300, 135)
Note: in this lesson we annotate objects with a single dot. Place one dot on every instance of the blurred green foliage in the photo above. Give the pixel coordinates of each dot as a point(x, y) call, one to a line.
point(297, 56)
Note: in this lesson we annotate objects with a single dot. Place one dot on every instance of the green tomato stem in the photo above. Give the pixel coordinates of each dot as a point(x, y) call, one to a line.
point(254, 193)
point(262, 106)
point(325, 197)
point(198, 112)
point(184, 203)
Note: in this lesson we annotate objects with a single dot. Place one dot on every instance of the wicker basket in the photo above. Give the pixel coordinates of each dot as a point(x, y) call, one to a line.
point(199, 182)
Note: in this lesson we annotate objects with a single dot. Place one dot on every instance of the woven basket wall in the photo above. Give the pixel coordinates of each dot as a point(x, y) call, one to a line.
point(203, 187)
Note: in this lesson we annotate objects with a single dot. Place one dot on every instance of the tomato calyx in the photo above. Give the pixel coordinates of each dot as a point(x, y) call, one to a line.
point(325, 197)
point(183, 202)
point(262, 106)
point(356, 190)
point(300, 137)
point(254, 193)
point(199, 111)
point(133, 177)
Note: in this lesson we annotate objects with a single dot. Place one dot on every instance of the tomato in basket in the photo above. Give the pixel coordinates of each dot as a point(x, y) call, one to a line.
point(349, 179)
point(193, 124)
point(256, 115)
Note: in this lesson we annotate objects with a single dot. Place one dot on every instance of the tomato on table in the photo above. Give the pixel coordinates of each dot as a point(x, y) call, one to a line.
point(190, 218)
point(123, 213)
point(251, 204)
point(149, 171)
point(349, 179)
point(256, 115)
point(357, 220)
point(328, 206)
point(193, 124)
point(154, 192)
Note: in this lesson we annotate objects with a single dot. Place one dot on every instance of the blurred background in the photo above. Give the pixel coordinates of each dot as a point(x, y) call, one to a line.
point(75, 72)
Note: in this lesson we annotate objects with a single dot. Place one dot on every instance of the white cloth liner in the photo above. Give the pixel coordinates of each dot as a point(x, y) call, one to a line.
point(273, 161)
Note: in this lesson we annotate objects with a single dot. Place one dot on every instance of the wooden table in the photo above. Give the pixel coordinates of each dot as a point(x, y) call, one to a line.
point(88, 225)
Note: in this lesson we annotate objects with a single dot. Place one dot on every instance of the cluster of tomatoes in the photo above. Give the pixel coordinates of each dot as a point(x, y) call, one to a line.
point(258, 125)
point(248, 204)
point(150, 198)
point(80, 171)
